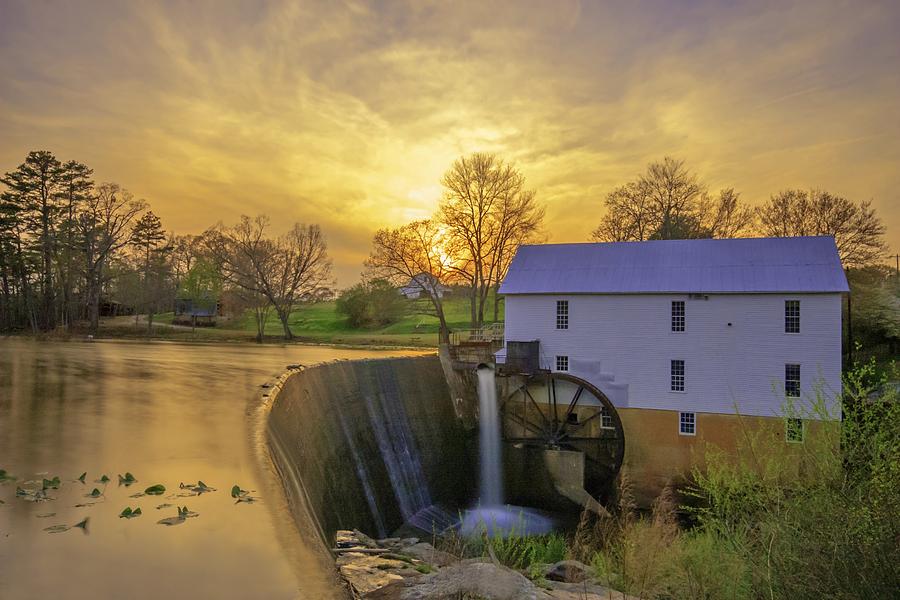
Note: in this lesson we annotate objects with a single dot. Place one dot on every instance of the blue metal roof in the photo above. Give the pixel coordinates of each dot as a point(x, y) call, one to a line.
point(746, 265)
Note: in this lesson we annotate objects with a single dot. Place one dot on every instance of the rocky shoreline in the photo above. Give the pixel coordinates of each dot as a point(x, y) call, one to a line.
point(410, 569)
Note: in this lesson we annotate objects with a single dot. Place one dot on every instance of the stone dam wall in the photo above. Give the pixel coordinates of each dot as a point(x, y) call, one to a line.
point(371, 445)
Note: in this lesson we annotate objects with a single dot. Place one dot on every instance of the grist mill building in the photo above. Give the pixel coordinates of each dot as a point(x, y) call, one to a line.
point(637, 353)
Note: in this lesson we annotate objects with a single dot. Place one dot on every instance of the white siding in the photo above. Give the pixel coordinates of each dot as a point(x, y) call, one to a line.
point(623, 344)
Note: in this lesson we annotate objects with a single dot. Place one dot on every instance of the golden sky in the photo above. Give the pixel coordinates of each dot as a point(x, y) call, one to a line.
point(347, 113)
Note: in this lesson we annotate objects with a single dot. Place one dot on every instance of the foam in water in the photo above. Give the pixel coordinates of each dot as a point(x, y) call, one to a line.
point(491, 481)
point(505, 520)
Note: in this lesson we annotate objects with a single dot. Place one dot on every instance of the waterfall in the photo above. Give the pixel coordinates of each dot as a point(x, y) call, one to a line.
point(363, 474)
point(397, 446)
point(489, 440)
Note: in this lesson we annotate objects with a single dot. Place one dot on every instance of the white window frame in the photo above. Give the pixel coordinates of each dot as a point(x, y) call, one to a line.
point(606, 420)
point(787, 430)
point(789, 314)
point(682, 422)
point(673, 376)
point(562, 359)
point(798, 380)
point(679, 319)
point(562, 314)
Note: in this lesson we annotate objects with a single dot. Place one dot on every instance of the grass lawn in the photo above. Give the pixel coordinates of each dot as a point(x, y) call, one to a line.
point(316, 323)
point(320, 322)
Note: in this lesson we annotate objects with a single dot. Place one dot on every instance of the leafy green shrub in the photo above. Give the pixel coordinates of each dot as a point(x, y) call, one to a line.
point(371, 304)
point(819, 519)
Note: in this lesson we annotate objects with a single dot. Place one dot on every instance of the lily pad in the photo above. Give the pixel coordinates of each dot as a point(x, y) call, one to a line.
point(171, 521)
point(130, 514)
point(57, 528)
point(82, 524)
point(82, 477)
point(155, 490)
point(196, 488)
point(103, 479)
point(32, 495)
point(95, 493)
point(51, 483)
point(4, 476)
point(126, 479)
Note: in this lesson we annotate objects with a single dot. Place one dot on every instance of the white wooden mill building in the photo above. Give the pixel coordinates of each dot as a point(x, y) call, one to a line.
point(681, 337)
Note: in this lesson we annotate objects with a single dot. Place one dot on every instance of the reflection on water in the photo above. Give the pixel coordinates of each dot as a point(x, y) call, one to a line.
point(168, 413)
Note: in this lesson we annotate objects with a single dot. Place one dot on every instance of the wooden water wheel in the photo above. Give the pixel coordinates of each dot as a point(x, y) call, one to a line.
point(558, 411)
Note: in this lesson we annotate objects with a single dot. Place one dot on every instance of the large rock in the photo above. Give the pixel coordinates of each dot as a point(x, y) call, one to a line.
point(569, 571)
point(366, 573)
point(469, 578)
point(584, 591)
point(429, 554)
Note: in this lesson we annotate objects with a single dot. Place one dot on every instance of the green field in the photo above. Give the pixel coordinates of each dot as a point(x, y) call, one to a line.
point(315, 323)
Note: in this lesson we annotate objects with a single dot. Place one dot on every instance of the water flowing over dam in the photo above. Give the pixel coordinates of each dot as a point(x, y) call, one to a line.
point(491, 460)
point(371, 444)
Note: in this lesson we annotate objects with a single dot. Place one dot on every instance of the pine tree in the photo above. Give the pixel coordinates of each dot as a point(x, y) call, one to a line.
point(35, 185)
point(76, 187)
point(147, 235)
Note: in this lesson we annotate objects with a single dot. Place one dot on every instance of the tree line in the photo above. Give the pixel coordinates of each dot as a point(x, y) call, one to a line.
point(487, 211)
point(69, 246)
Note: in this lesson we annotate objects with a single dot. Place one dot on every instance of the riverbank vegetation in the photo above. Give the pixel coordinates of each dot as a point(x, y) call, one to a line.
point(814, 520)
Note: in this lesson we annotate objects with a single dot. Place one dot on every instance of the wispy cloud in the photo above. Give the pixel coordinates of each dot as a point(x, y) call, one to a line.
point(346, 114)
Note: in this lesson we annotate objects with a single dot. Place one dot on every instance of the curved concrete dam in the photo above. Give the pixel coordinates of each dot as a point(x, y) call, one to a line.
point(371, 444)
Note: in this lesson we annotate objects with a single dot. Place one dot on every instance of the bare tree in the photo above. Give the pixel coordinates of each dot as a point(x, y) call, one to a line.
point(406, 254)
point(487, 213)
point(669, 202)
point(281, 270)
point(517, 221)
point(857, 230)
point(628, 215)
point(103, 228)
point(726, 216)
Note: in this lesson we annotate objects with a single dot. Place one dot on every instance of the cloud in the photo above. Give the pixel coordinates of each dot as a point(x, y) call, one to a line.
point(347, 114)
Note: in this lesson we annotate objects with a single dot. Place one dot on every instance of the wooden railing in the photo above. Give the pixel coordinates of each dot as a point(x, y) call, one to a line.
point(491, 335)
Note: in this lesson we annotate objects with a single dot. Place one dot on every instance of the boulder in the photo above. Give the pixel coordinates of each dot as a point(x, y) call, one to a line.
point(366, 573)
point(429, 554)
point(569, 571)
point(584, 591)
point(468, 579)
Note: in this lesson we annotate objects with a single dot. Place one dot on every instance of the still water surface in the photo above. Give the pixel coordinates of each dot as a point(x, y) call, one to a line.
point(168, 413)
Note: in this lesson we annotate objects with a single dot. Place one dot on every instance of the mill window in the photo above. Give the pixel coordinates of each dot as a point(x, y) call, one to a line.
point(606, 420)
point(678, 316)
point(793, 431)
point(687, 423)
point(792, 381)
point(562, 314)
point(677, 383)
point(792, 316)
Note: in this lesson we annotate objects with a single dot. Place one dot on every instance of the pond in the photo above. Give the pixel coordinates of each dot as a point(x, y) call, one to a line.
point(169, 414)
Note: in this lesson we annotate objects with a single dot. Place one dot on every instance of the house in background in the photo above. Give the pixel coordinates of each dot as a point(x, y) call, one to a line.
point(197, 312)
point(424, 283)
point(679, 342)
